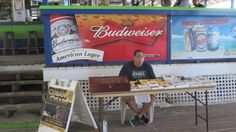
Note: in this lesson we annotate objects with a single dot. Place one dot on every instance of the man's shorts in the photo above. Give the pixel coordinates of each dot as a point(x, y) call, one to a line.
point(126, 98)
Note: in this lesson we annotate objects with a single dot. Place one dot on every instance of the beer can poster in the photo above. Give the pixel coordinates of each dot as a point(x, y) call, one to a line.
point(203, 37)
point(107, 38)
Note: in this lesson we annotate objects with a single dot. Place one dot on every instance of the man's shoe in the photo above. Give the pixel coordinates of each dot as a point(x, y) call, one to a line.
point(135, 120)
point(145, 119)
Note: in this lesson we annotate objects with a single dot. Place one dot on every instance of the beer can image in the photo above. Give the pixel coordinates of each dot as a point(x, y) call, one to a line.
point(200, 37)
point(189, 44)
point(64, 33)
point(233, 31)
point(213, 38)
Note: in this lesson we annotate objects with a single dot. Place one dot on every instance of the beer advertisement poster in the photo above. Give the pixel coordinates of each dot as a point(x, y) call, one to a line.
point(57, 111)
point(107, 38)
point(201, 37)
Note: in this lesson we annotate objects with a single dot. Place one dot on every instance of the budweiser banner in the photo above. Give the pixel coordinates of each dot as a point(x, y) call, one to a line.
point(107, 38)
point(203, 37)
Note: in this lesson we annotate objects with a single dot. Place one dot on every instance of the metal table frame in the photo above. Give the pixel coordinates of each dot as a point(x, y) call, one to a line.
point(196, 108)
point(187, 90)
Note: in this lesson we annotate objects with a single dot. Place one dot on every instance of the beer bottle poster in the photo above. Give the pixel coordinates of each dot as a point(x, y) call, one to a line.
point(58, 107)
point(107, 38)
point(201, 37)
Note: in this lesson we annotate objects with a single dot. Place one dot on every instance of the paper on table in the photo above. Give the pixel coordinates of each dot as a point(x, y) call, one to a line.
point(153, 83)
point(174, 80)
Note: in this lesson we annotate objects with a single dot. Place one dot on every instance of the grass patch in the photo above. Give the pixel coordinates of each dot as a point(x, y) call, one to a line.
point(20, 125)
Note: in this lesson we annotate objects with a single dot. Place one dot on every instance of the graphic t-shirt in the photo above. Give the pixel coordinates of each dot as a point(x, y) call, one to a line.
point(135, 73)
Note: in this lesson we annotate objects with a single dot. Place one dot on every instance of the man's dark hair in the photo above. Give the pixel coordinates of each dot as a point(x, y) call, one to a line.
point(177, 3)
point(136, 51)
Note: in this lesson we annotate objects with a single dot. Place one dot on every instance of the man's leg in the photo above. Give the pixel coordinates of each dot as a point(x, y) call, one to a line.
point(146, 106)
point(132, 104)
point(134, 107)
point(139, 114)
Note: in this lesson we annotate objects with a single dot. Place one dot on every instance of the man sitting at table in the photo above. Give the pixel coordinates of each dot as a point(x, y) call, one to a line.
point(134, 70)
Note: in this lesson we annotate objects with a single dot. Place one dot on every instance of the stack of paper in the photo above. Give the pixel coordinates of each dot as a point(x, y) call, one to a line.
point(192, 82)
point(161, 82)
point(144, 84)
point(175, 81)
point(153, 83)
point(139, 85)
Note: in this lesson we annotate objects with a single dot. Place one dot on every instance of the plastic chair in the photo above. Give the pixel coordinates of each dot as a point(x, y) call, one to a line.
point(123, 112)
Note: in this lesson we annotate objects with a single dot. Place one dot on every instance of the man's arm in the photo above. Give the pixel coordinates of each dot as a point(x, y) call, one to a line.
point(151, 73)
point(123, 71)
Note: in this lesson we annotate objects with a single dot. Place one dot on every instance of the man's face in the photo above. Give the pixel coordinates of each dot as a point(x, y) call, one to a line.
point(138, 59)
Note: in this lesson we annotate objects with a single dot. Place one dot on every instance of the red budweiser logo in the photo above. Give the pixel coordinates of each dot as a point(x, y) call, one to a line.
point(110, 32)
point(104, 31)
